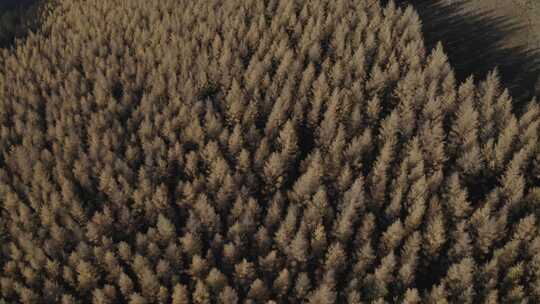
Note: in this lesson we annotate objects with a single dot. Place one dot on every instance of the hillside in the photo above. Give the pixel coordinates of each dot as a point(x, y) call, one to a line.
point(481, 35)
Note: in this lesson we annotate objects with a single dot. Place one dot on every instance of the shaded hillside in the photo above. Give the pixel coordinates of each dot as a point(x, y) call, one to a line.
point(480, 35)
point(13, 4)
point(17, 17)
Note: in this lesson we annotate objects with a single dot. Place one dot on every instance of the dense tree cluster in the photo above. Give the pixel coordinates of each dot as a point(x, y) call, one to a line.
point(249, 151)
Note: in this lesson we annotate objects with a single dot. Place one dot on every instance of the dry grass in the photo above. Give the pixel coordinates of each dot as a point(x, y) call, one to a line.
point(524, 12)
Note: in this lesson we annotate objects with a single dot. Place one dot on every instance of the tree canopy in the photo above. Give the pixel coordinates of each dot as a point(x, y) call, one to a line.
point(248, 151)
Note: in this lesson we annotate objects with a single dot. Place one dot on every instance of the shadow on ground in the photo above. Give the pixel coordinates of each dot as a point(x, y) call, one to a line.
point(17, 18)
point(477, 42)
point(12, 4)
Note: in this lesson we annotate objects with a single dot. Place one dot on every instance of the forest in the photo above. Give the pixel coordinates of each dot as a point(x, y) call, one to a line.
point(260, 151)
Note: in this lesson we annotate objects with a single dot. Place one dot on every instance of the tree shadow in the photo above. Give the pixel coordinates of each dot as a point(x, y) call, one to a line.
point(475, 44)
point(17, 18)
point(13, 4)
